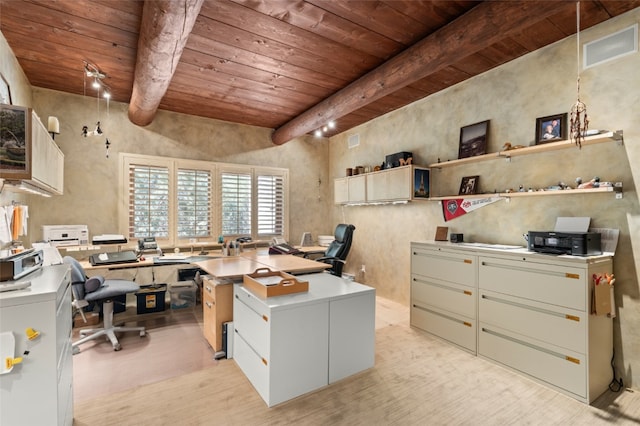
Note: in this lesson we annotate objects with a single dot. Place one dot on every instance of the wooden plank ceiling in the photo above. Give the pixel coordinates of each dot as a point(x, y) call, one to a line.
point(290, 65)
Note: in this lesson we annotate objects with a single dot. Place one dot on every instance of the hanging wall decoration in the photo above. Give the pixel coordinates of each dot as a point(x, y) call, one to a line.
point(579, 123)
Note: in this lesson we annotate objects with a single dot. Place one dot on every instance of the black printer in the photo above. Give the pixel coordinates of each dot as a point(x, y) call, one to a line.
point(573, 243)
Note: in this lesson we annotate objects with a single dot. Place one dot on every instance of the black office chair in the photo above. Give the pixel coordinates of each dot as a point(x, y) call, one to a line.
point(336, 253)
point(97, 289)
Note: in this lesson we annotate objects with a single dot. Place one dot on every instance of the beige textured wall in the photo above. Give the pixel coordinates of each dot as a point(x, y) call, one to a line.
point(91, 180)
point(512, 96)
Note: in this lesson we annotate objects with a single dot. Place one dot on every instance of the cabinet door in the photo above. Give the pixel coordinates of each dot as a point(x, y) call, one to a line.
point(358, 189)
point(341, 190)
point(389, 185)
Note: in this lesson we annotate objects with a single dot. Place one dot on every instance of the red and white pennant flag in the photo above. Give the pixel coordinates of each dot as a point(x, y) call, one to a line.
point(459, 206)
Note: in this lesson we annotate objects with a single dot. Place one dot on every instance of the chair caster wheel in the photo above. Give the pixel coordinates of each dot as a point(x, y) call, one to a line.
point(143, 333)
point(117, 347)
point(75, 350)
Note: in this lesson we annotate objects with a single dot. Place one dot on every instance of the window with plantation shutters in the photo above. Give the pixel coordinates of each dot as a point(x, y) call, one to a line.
point(148, 201)
point(270, 209)
point(182, 202)
point(193, 193)
point(236, 193)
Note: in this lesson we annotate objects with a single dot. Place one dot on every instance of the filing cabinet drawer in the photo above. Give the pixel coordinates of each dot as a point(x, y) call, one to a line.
point(251, 364)
point(547, 363)
point(448, 296)
point(63, 325)
point(254, 327)
point(562, 327)
point(456, 329)
point(209, 324)
point(547, 283)
point(444, 266)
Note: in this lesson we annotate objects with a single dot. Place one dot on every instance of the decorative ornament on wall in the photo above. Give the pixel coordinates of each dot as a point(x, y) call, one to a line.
point(579, 123)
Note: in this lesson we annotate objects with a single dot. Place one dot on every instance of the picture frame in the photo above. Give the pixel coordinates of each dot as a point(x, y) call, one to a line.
point(551, 128)
point(421, 183)
point(469, 185)
point(473, 139)
point(5, 91)
point(15, 134)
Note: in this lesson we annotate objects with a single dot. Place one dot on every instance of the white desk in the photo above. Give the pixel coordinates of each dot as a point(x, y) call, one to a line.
point(293, 344)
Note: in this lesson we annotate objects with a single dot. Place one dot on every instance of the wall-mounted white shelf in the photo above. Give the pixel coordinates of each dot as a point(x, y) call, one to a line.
point(616, 136)
point(617, 189)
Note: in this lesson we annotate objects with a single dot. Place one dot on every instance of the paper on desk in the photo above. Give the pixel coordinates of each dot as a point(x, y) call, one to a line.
point(572, 224)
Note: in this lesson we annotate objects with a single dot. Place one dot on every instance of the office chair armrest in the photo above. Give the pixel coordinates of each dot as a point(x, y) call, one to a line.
point(312, 253)
point(332, 259)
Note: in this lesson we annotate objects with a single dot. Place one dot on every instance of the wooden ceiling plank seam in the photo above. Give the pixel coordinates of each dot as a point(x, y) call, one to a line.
point(295, 100)
point(311, 18)
point(397, 26)
point(482, 26)
point(210, 65)
point(165, 28)
point(96, 12)
point(323, 59)
point(277, 67)
point(62, 21)
point(215, 89)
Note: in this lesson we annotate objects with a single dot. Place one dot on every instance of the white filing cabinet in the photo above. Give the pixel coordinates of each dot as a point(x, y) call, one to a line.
point(293, 344)
point(535, 317)
point(39, 391)
point(443, 293)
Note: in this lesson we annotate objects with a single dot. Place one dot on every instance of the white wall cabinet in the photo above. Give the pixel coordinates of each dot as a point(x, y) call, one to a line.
point(39, 391)
point(533, 311)
point(293, 344)
point(384, 186)
point(38, 164)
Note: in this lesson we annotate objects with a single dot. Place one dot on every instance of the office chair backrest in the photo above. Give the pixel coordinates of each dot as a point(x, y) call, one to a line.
point(340, 246)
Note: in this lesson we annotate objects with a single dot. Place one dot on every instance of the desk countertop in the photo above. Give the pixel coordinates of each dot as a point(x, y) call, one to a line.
point(229, 266)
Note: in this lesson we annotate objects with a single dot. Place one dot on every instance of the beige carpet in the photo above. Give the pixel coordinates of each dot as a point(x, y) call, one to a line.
point(417, 379)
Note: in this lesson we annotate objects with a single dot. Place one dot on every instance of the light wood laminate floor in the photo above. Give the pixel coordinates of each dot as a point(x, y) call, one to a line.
point(171, 378)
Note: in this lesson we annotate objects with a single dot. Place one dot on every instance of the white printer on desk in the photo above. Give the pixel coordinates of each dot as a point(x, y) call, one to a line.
point(66, 235)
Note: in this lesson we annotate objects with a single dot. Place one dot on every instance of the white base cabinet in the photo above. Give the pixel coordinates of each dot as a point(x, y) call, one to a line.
point(38, 391)
point(293, 344)
point(532, 311)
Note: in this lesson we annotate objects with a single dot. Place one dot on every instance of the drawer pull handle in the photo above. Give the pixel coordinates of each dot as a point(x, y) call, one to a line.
point(468, 293)
point(468, 324)
point(572, 359)
point(208, 289)
point(574, 276)
point(264, 361)
point(572, 318)
point(209, 305)
point(468, 261)
point(266, 318)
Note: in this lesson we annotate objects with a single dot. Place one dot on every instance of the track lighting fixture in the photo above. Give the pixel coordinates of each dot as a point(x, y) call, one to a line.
point(330, 125)
point(92, 71)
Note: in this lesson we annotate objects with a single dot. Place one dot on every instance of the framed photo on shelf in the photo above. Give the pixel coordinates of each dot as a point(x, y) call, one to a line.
point(552, 128)
point(473, 140)
point(469, 185)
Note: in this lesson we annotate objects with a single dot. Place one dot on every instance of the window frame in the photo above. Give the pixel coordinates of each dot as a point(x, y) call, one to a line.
point(126, 160)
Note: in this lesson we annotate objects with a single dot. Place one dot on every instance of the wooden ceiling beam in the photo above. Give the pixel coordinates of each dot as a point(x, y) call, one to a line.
point(480, 28)
point(165, 28)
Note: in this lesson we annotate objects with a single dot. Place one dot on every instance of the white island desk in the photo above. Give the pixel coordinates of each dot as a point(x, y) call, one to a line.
point(293, 344)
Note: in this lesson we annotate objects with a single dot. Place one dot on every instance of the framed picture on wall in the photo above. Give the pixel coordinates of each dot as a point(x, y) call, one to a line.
point(552, 128)
point(473, 140)
point(421, 183)
point(469, 185)
point(5, 91)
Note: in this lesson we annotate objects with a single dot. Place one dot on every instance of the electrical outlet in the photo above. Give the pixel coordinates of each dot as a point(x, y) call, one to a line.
point(363, 269)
